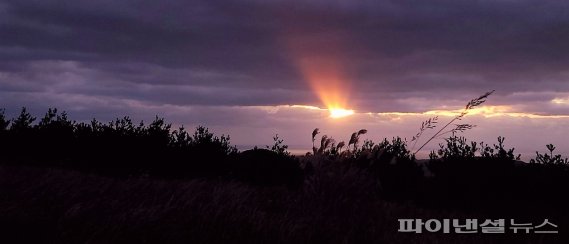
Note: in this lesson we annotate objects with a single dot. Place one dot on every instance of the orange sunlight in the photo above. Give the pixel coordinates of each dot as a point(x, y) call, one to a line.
point(324, 69)
point(328, 83)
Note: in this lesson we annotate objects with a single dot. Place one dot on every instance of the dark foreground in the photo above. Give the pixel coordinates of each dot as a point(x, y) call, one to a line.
point(68, 182)
point(61, 206)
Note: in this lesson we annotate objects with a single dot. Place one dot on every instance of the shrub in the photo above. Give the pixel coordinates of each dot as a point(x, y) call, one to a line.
point(549, 159)
point(456, 147)
point(498, 151)
point(279, 147)
point(266, 167)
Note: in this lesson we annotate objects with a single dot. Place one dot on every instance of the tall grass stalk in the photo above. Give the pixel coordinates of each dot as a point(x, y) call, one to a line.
point(460, 127)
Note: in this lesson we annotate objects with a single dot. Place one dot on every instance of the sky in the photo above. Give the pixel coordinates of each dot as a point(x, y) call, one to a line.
point(256, 68)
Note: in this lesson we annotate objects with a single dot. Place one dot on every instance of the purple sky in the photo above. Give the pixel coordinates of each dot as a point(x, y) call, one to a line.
point(234, 66)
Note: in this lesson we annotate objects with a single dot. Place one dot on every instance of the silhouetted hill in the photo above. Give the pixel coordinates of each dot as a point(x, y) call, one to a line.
point(65, 181)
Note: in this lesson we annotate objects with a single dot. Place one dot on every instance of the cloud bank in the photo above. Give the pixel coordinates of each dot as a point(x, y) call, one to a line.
point(228, 64)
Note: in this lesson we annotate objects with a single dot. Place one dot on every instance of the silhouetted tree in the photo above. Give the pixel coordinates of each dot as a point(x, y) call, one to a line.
point(23, 122)
point(4, 123)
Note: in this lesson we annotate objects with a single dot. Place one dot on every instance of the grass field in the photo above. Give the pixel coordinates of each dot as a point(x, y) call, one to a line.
point(333, 206)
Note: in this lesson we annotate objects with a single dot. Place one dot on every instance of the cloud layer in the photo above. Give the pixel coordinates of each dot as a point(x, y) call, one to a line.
point(222, 62)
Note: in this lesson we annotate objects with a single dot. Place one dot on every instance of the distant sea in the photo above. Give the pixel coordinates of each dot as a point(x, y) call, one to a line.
point(294, 150)
point(299, 150)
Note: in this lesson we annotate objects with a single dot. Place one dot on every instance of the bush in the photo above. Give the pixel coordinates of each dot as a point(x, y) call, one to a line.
point(121, 148)
point(549, 159)
point(266, 167)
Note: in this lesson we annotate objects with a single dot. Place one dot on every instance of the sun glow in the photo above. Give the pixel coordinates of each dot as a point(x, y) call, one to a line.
point(340, 112)
point(325, 69)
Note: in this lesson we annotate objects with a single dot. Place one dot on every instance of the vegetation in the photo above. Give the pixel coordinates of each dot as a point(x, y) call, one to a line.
point(66, 181)
point(62, 206)
point(121, 148)
point(550, 159)
point(431, 123)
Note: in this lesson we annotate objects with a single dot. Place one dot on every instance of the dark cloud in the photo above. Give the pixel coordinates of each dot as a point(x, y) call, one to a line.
point(397, 55)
